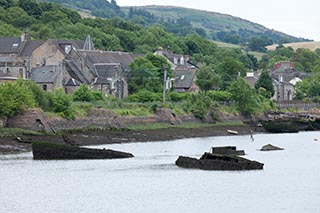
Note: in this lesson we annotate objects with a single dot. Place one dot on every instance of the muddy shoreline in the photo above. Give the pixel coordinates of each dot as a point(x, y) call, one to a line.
point(9, 145)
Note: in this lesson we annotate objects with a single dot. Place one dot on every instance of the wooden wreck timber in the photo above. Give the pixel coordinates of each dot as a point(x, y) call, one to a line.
point(209, 161)
point(270, 147)
point(57, 151)
point(226, 150)
point(290, 122)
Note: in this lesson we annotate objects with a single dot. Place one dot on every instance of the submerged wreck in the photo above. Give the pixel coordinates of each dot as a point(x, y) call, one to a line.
point(58, 151)
point(270, 147)
point(278, 122)
point(226, 150)
point(214, 161)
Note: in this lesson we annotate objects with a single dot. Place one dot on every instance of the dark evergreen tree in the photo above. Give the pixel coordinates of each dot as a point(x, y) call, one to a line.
point(265, 82)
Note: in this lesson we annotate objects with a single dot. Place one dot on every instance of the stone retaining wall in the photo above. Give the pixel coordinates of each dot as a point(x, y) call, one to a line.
point(98, 118)
point(35, 119)
point(3, 122)
point(32, 119)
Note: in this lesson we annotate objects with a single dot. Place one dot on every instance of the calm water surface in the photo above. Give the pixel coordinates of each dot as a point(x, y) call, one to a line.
point(150, 182)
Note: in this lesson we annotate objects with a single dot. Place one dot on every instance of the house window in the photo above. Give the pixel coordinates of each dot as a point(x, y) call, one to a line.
point(21, 73)
point(44, 87)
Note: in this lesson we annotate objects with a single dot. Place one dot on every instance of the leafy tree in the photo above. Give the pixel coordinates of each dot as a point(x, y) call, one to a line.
point(307, 58)
point(230, 69)
point(244, 96)
point(265, 82)
point(83, 93)
point(19, 18)
point(14, 97)
point(207, 79)
point(161, 64)
point(144, 75)
point(7, 30)
point(43, 99)
point(32, 7)
point(259, 43)
point(6, 3)
point(62, 104)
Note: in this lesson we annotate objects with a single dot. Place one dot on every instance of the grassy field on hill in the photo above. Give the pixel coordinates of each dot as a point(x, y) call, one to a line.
point(305, 45)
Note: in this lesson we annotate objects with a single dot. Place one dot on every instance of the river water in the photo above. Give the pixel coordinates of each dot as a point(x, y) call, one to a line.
point(150, 182)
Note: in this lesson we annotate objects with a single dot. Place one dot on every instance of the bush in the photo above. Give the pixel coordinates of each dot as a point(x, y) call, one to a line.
point(178, 96)
point(14, 97)
point(202, 105)
point(62, 104)
point(83, 93)
point(219, 95)
point(43, 99)
point(145, 96)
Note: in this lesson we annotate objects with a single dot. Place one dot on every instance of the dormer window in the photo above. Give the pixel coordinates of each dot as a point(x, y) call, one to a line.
point(67, 48)
point(175, 60)
point(182, 60)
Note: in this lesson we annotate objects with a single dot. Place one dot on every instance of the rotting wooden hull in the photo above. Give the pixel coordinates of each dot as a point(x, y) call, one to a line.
point(55, 151)
point(285, 126)
point(210, 161)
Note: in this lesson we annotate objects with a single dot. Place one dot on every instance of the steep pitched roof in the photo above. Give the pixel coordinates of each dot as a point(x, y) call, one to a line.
point(95, 57)
point(75, 72)
point(10, 45)
point(181, 61)
point(107, 72)
point(184, 78)
point(62, 44)
point(72, 82)
point(44, 74)
point(29, 47)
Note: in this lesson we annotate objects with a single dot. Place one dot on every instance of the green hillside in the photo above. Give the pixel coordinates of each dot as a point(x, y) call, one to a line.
point(184, 21)
point(218, 26)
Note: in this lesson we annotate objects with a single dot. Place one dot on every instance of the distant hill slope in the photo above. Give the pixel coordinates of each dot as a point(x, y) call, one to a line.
point(217, 25)
point(305, 45)
point(183, 21)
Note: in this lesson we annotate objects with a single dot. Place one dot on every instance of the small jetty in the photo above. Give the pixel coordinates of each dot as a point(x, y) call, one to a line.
point(229, 160)
point(58, 151)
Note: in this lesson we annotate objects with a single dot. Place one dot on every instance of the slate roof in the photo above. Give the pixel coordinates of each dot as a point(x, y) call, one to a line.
point(60, 44)
point(177, 60)
point(107, 72)
point(184, 78)
point(29, 47)
point(75, 72)
point(44, 74)
point(95, 57)
point(10, 45)
point(72, 82)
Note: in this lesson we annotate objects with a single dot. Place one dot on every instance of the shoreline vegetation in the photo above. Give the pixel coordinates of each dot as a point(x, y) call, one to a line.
point(134, 133)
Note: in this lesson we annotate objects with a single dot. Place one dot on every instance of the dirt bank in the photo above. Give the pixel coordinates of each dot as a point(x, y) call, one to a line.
point(9, 145)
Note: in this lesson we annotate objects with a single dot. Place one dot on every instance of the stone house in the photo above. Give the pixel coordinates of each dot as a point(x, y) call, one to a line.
point(251, 79)
point(285, 77)
point(11, 67)
point(20, 56)
point(184, 71)
point(105, 71)
point(47, 77)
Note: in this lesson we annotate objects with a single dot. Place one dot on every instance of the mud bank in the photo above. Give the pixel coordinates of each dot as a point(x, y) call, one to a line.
point(9, 145)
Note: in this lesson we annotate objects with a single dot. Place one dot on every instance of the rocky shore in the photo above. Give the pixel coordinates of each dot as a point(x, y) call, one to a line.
point(10, 145)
